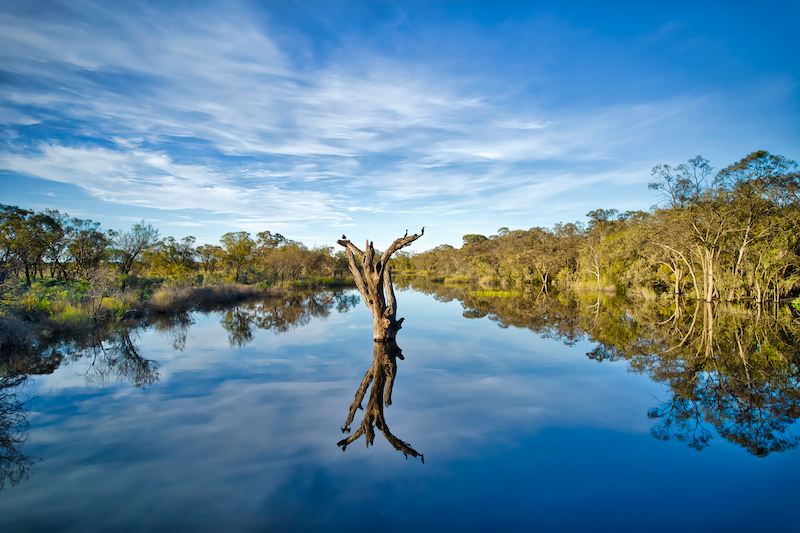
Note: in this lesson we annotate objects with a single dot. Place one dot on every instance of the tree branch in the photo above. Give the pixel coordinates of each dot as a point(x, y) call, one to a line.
point(395, 246)
point(352, 250)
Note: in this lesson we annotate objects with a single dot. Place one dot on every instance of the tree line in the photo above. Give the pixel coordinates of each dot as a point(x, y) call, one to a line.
point(51, 245)
point(730, 236)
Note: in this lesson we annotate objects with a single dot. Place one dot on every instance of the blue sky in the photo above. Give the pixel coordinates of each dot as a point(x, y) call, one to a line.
point(315, 119)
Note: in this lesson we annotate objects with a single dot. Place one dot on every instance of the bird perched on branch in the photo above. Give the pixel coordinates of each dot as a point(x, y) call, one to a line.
point(344, 238)
point(406, 235)
point(423, 231)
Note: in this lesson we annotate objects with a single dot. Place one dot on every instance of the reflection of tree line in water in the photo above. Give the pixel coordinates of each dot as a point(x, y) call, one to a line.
point(728, 367)
point(14, 465)
point(283, 314)
point(110, 351)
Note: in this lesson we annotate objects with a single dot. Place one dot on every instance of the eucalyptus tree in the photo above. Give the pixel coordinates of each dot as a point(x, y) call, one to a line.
point(88, 246)
point(175, 257)
point(704, 211)
point(542, 255)
point(570, 239)
point(668, 242)
point(129, 246)
point(238, 247)
point(680, 190)
point(341, 263)
point(482, 253)
point(291, 259)
point(265, 250)
point(598, 251)
point(57, 247)
point(12, 231)
point(211, 256)
point(25, 237)
point(683, 186)
point(753, 184)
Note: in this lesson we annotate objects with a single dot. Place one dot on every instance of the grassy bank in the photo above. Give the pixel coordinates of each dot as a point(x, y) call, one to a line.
point(53, 307)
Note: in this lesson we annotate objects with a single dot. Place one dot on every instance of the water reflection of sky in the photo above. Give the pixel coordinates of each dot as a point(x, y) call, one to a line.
point(518, 433)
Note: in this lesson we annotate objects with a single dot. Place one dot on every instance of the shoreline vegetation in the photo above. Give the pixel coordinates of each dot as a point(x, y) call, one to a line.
point(61, 276)
point(54, 310)
point(732, 236)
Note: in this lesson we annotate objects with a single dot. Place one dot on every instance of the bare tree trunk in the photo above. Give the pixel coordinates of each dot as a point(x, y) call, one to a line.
point(710, 293)
point(678, 277)
point(595, 259)
point(374, 282)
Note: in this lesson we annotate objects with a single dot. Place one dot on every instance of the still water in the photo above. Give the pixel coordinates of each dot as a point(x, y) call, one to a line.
point(229, 421)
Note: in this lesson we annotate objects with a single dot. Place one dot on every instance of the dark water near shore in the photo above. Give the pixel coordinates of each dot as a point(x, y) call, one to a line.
point(561, 419)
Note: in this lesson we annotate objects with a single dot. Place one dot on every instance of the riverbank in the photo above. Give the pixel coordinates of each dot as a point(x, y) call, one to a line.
point(44, 310)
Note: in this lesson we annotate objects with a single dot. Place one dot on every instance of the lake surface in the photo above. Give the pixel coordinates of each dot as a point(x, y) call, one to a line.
point(229, 421)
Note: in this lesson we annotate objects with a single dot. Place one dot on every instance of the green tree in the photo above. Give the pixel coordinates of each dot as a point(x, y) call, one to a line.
point(175, 257)
point(341, 263)
point(128, 247)
point(211, 256)
point(57, 245)
point(238, 247)
point(87, 247)
point(749, 185)
point(24, 239)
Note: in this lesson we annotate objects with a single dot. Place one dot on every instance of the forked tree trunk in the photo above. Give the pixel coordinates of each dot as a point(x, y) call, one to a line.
point(374, 282)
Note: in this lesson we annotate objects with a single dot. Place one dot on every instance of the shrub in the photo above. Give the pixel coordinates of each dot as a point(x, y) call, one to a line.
point(114, 305)
point(30, 300)
point(69, 314)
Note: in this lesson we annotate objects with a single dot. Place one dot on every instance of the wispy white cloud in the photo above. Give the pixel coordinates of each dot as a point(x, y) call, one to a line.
point(156, 106)
point(152, 179)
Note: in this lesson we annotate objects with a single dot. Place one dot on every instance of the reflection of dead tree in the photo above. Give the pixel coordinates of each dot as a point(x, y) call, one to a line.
point(14, 465)
point(374, 282)
point(381, 374)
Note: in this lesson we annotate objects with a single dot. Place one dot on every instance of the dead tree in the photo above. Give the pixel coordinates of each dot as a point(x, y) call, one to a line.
point(374, 282)
point(381, 374)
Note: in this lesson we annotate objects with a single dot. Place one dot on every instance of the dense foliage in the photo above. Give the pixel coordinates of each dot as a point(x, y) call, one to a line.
point(729, 236)
point(59, 273)
point(51, 245)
